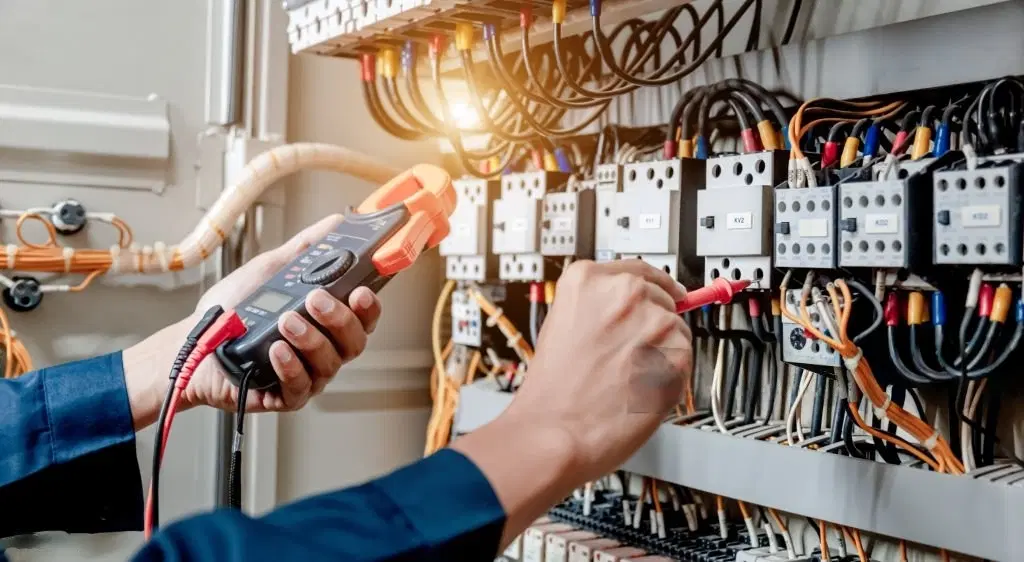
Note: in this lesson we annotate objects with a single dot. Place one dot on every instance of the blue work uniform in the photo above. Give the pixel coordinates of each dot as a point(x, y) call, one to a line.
point(67, 463)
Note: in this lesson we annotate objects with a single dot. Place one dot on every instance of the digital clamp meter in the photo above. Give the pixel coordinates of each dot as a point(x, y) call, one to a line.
point(385, 235)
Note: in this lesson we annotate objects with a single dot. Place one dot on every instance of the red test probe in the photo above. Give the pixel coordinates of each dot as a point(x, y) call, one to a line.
point(720, 291)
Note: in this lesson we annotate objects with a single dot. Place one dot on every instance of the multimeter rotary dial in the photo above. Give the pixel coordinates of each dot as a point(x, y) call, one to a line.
point(328, 268)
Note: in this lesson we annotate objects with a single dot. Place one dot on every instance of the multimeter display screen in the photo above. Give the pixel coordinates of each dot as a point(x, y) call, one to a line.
point(271, 301)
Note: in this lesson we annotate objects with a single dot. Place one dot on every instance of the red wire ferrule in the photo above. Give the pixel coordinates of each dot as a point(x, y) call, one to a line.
point(436, 45)
point(750, 142)
point(985, 297)
point(830, 154)
point(525, 16)
point(368, 66)
point(537, 292)
point(892, 310)
point(754, 306)
point(899, 143)
point(670, 150)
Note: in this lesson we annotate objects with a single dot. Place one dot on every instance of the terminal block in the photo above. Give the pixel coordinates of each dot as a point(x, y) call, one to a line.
point(805, 228)
point(606, 183)
point(978, 216)
point(800, 347)
point(468, 257)
point(567, 226)
point(467, 320)
point(734, 225)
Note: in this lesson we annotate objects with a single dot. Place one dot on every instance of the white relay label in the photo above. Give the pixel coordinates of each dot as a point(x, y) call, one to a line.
point(739, 221)
point(518, 225)
point(562, 223)
point(649, 221)
point(812, 228)
point(981, 216)
point(881, 224)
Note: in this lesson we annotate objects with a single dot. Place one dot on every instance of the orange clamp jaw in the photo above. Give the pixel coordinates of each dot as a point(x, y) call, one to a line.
point(426, 192)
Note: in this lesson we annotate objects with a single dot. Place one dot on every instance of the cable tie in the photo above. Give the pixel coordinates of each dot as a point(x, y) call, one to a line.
point(69, 254)
point(880, 411)
point(144, 257)
point(513, 340)
point(12, 254)
point(161, 255)
point(103, 217)
point(492, 320)
point(115, 258)
point(931, 442)
point(853, 362)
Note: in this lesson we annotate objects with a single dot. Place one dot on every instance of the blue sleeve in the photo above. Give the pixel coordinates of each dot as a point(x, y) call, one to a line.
point(67, 451)
point(439, 508)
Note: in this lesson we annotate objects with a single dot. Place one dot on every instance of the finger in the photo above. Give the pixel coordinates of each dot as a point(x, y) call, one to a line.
point(321, 357)
point(648, 272)
point(344, 326)
point(660, 297)
point(295, 381)
point(366, 305)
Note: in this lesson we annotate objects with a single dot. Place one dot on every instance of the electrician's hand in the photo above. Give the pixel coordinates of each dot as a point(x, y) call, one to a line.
point(348, 323)
point(608, 367)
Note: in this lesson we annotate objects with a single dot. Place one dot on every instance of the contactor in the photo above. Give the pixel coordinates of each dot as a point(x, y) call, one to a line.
point(805, 228)
point(466, 250)
point(978, 216)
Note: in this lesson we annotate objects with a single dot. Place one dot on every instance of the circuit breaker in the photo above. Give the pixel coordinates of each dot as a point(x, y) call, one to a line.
point(734, 216)
point(606, 183)
point(978, 216)
point(874, 224)
point(466, 251)
point(798, 346)
point(567, 226)
point(805, 228)
point(516, 222)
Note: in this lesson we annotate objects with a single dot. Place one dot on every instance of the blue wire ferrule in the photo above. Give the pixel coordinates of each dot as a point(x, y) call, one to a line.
point(408, 55)
point(702, 148)
point(938, 309)
point(785, 137)
point(1020, 310)
point(563, 161)
point(595, 8)
point(942, 139)
point(489, 31)
point(871, 141)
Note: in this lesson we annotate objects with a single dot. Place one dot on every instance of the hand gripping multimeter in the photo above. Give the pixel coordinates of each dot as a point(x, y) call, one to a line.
point(385, 235)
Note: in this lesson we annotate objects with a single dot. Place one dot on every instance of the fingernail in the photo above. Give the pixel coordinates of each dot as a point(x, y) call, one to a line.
point(294, 325)
point(283, 353)
point(364, 300)
point(322, 302)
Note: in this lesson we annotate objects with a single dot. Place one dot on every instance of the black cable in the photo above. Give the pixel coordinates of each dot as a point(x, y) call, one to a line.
point(894, 356)
point(753, 392)
point(732, 379)
point(839, 415)
point(818, 409)
point(794, 15)
point(235, 468)
point(918, 357)
point(191, 340)
point(377, 112)
point(773, 384)
point(534, 322)
point(754, 38)
point(851, 446)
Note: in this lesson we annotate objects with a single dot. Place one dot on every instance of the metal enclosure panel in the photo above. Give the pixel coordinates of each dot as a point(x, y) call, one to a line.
point(805, 228)
point(734, 221)
point(646, 221)
point(873, 224)
point(978, 216)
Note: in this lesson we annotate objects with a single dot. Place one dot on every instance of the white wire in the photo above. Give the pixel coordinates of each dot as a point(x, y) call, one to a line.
point(805, 383)
point(717, 379)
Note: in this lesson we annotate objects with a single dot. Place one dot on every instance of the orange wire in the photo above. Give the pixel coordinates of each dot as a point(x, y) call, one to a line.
point(826, 554)
point(51, 231)
point(860, 546)
point(903, 551)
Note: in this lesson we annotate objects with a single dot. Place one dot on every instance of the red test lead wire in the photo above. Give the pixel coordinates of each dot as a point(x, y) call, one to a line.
point(720, 291)
point(227, 327)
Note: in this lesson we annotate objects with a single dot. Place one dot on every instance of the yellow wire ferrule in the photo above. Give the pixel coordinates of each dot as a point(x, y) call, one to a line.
point(686, 148)
point(558, 11)
point(776, 307)
point(463, 36)
point(388, 62)
point(550, 163)
point(915, 308)
point(769, 138)
point(922, 143)
point(1001, 304)
point(850, 150)
point(549, 292)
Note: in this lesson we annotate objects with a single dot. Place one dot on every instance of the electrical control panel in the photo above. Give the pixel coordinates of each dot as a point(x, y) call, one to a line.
point(567, 226)
point(978, 216)
point(805, 228)
point(800, 347)
point(516, 222)
point(466, 248)
point(874, 224)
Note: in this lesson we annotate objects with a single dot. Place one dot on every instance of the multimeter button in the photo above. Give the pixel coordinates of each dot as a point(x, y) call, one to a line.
point(327, 268)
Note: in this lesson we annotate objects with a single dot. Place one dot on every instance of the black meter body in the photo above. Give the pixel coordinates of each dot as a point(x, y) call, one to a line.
point(338, 263)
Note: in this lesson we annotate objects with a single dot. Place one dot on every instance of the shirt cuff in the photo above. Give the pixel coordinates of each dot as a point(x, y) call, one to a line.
point(448, 501)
